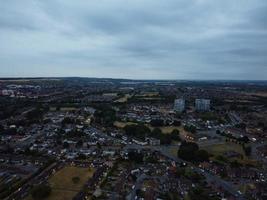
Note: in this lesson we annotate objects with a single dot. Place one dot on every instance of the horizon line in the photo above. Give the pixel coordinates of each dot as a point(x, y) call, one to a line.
point(131, 79)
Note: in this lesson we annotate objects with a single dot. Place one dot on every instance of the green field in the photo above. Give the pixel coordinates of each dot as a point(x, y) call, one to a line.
point(63, 188)
point(220, 149)
point(64, 109)
point(123, 99)
point(122, 124)
point(164, 129)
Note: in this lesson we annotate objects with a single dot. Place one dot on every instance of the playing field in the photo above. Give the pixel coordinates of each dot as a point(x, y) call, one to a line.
point(64, 109)
point(123, 99)
point(122, 124)
point(220, 149)
point(164, 129)
point(63, 188)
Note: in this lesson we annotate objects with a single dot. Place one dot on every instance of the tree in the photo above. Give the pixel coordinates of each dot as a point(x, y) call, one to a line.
point(202, 155)
point(137, 130)
point(191, 128)
point(105, 115)
point(135, 156)
point(79, 143)
point(35, 114)
point(244, 139)
point(241, 126)
point(156, 132)
point(175, 135)
point(165, 139)
point(198, 193)
point(192, 175)
point(81, 156)
point(177, 123)
point(41, 192)
point(188, 150)
point(1, 127)
point(235, 164)
point(98, 145)
point(66, 145)
point(247, 150)
point(67, 120)
point(261, 124)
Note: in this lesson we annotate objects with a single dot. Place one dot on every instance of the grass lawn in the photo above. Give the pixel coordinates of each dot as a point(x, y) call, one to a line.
point(173, 151)
point(244, 187)
point(220, 149)
point(123, 99)
point(122, 124)
point(62, 185)
point(168, 129)
point(64, 109)
point(164, 129)
point(68, 109)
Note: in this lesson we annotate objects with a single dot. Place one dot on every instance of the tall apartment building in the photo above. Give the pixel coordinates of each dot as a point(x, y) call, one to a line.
point(202, 104)
point(179, 105)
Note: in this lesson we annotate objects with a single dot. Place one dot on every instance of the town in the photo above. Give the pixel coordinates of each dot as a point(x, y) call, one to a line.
point(89, 138)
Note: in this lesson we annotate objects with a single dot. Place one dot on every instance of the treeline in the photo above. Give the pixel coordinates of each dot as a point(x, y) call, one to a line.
point(141, 131)
point(232, 138)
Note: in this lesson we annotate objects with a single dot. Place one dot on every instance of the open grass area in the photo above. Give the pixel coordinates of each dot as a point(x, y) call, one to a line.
point(63, 188)
point(244, 187)
point(164, 129)
point(64, 109)
point(172, 151)
point(220, 149)
point(123, 99)
point(260, 94)
point(148, 94)
point(63, 178)
point(169, 129)
point(122, 124)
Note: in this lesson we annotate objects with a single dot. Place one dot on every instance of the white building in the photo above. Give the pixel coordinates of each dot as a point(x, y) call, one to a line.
point(179, 105)
point(153, 141)
point(202, 104)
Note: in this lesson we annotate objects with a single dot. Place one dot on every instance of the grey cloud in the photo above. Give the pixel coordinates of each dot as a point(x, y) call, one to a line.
point(150, 39)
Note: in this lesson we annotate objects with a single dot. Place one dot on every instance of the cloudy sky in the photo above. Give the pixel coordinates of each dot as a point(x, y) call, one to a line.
point(140, 39)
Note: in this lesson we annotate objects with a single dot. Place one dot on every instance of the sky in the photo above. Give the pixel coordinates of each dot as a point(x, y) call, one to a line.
point(137, 39)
